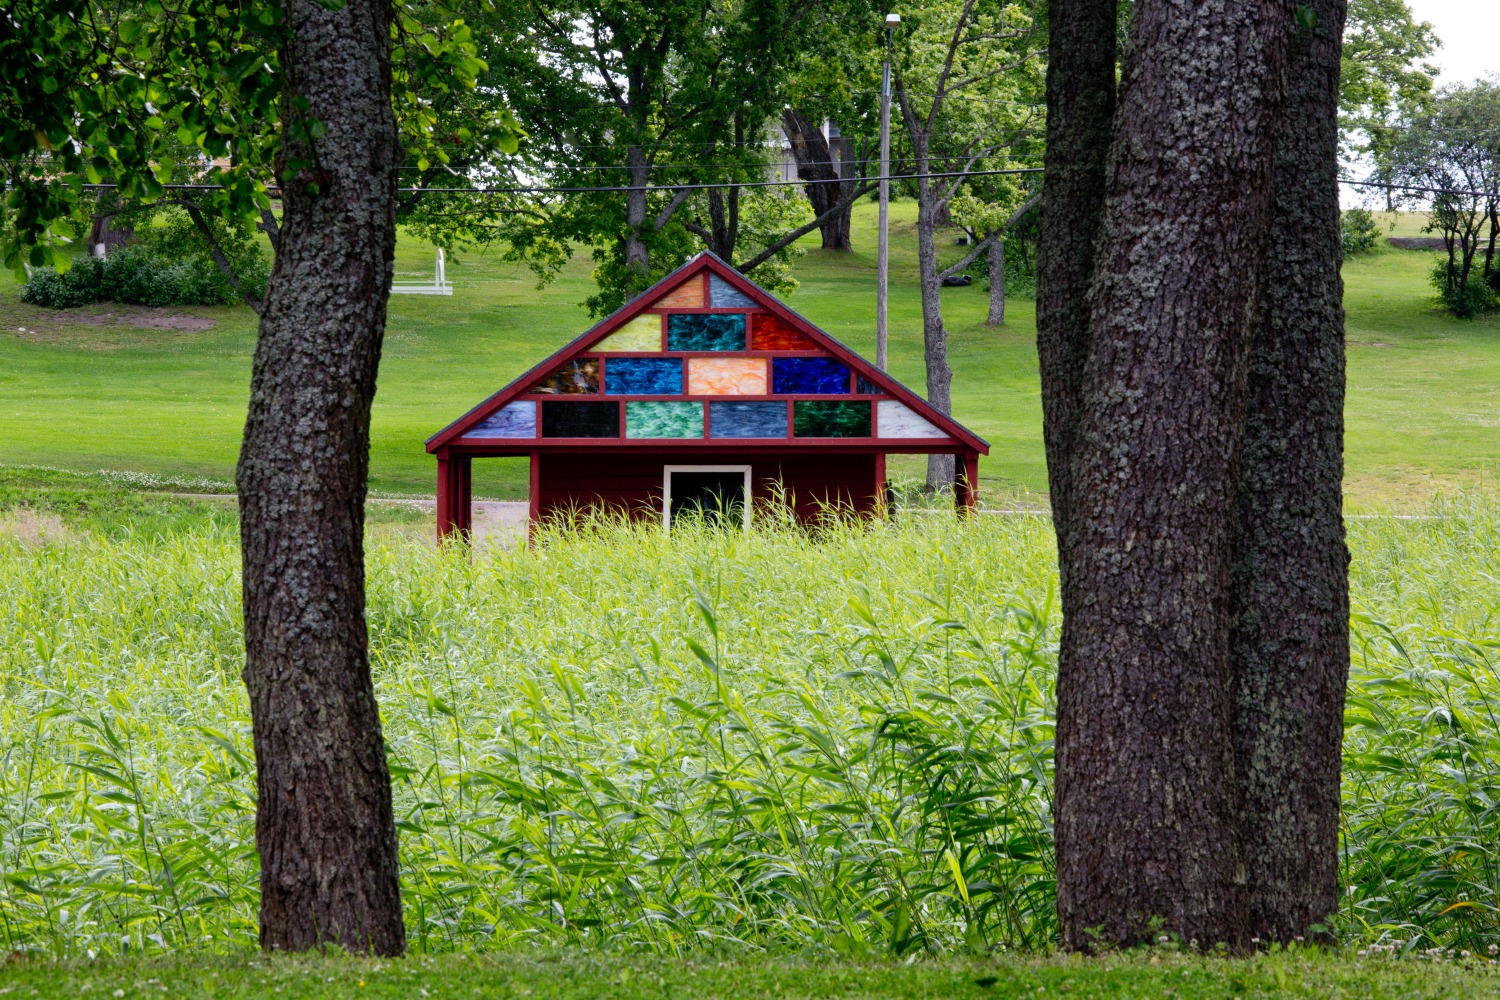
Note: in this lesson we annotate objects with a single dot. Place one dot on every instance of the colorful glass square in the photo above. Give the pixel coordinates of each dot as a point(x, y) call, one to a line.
point(706, 332)
point(648, 419)
point(643, 376)
point(513, 420)
point(822, 376)
point(726, 376)
point(688, 295)
point(723, 295)
point(641, 334)
point(746, 420)
point(829, 419)
point(769, 332)
point(897, 420)
point(573, 377)
point(580, 420)
point(864, 386)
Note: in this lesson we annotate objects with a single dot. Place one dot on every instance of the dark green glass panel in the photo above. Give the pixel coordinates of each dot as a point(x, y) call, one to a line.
point(842, 419)
point(580, 420)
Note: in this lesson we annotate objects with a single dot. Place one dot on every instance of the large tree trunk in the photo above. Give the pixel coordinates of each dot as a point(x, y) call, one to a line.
point(1290, 644)
point(1147, 820)
point(940, 468)
point(997, 279)
point(1080, 119)
point(815, 163)
point(637, 251)
point(324, 826)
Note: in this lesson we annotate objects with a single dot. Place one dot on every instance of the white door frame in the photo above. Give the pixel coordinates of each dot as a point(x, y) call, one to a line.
point(666, 487)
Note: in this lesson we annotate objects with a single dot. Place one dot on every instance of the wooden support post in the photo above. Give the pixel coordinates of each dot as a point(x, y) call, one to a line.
point(966, 484)
point(445, 523)
point(534, 497)
point(882, 491)
point(463, 494)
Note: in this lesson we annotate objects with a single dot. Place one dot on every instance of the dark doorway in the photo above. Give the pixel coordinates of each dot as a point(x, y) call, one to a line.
point(718, 498)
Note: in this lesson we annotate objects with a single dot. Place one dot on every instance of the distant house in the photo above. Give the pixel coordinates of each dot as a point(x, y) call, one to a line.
point(706, 393)
point(783, 164)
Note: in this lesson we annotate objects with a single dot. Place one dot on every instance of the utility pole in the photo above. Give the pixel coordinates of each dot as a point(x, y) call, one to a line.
point(883, 260)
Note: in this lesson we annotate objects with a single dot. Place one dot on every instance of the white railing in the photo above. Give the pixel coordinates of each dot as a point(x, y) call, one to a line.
point(439, 284)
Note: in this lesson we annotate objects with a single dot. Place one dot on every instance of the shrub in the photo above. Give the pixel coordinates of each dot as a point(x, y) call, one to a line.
point(77, 287)
point(1358, 232)
point(1464, 300)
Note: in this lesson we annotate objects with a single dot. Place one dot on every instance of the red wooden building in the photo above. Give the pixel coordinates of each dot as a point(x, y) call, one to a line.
point(704, 389)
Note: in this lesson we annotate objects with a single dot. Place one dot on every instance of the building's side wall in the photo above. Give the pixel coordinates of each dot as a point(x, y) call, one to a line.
point(632, 481)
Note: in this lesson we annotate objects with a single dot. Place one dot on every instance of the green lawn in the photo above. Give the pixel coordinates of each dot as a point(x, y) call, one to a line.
point(587, 977)
point(80, 393)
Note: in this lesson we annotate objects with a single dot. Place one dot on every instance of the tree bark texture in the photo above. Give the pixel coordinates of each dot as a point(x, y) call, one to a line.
point(1080, 120)
point(940, 468)
point(637, 251)
point(324, 826)
point(1290, 643)
point(1146, 804)
point(815, 163)
point(997, 280)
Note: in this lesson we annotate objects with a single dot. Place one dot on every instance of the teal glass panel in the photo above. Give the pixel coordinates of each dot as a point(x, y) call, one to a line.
point(706, 332)
point(842, 419)
point(648, 419)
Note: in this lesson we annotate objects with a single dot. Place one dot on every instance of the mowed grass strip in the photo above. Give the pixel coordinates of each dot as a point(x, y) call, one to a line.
point(96, 389)
point(578, 976)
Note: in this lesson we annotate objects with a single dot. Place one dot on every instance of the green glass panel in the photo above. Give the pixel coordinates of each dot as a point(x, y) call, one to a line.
point(663, 420)
point(842, 419)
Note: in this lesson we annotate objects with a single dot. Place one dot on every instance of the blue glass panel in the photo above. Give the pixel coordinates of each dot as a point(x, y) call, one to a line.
point(723, 295)
point(747, 420)
point(643, 376)
point(811, 375)
point(514, 420)
point(706, 332)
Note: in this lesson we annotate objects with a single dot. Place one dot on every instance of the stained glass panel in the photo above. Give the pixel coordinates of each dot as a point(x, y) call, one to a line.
point(809, 375)
point(723, 295)
point(578, 376)
point(864, 386)
point(513, 420)
point(897, 420)
point(688, 295)
point(746, 420)
point(771, 333)
point(641, 334)
point(706, 332)
point(663, 420)
point(845, 418)
point(643, 376)
point(727, 376)
point(580, 420)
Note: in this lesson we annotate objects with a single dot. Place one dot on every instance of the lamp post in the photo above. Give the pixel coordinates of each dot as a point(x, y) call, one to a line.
point(883, 259)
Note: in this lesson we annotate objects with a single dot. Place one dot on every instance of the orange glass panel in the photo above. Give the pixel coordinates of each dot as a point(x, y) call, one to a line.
point(727, 376)
point(688, 295)
point(771, 333)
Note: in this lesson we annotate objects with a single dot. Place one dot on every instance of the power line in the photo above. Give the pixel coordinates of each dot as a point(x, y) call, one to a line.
point(621, 189)
point(1418, 188)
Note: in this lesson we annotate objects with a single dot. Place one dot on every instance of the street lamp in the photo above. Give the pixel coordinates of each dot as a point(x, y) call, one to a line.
point(883, 260)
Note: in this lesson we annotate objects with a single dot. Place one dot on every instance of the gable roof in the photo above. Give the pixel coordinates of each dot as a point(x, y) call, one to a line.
point(652, 300)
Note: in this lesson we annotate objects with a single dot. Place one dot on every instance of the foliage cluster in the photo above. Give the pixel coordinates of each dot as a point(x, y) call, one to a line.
point(1359, 233)
point(168, 265)
point(838, 741)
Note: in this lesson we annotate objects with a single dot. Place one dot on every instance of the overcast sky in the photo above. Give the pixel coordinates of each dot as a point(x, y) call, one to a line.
point(1470, 33)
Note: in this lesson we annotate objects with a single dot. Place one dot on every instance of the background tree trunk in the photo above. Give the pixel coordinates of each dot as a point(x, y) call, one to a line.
point(940, 468)
point(1147, 818)
point(997, 280)
point(815, 163)
point(324, 826)
point(1290, 644)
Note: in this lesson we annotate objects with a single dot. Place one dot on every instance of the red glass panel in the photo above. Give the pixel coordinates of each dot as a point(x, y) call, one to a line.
point(769, 332)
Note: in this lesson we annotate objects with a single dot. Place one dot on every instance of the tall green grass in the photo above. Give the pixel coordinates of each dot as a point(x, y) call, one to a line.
point(839, 740)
